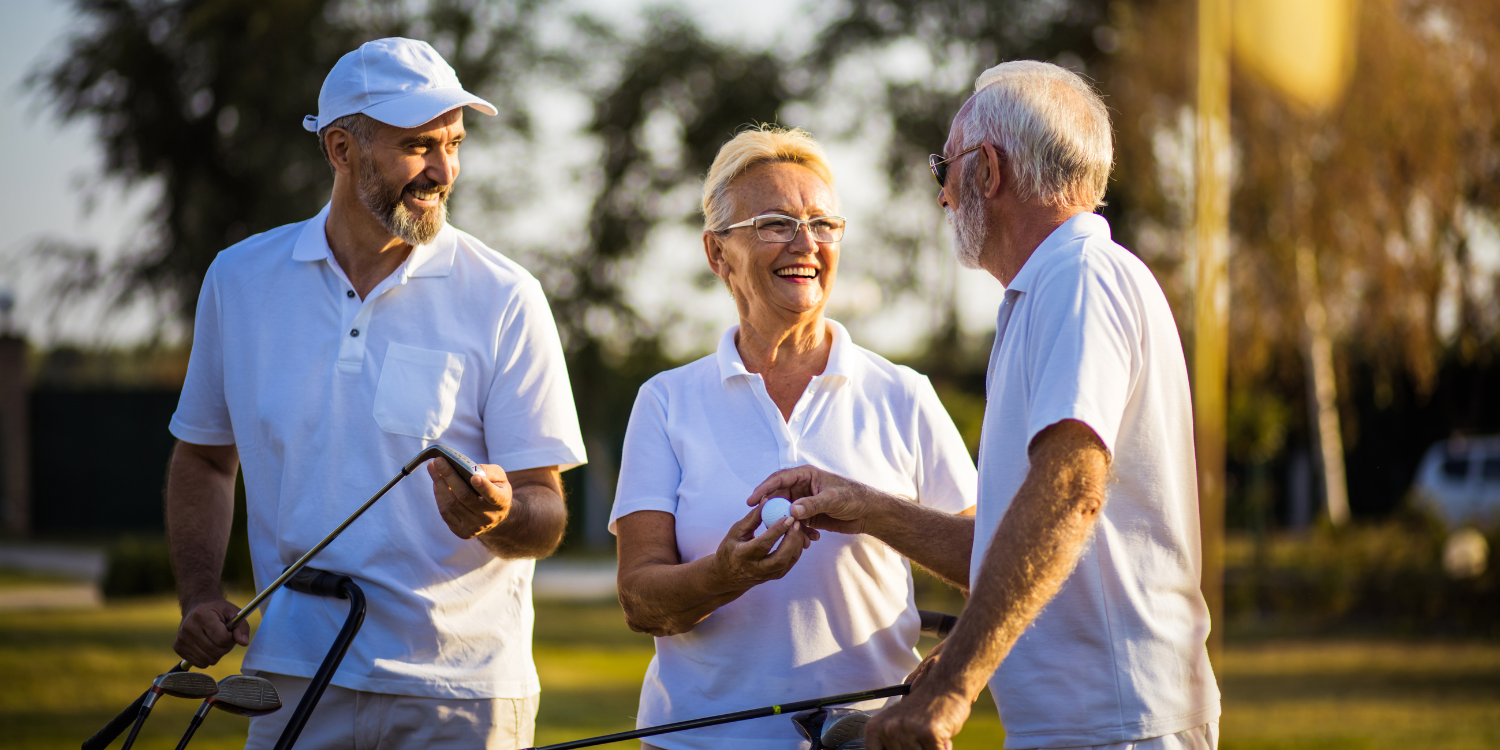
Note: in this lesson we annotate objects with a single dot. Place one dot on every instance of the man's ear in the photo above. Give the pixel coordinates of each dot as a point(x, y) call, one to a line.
point(342, 150)
point(992, 172)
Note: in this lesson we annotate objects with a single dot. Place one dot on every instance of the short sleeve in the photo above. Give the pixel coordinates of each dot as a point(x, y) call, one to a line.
point(1084, 347)
point(948, 481)
point(650, 473)
point(202, 415)
point(529, 418)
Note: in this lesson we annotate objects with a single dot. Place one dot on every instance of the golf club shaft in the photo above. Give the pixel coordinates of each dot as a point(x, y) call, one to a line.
point(132, 712)
point(754, 713)
point(192, 727)
point(135, 729)
point(306, 558)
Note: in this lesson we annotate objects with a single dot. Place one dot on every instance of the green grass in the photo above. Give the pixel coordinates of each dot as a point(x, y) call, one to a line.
point(67, 672)
point(12, 578)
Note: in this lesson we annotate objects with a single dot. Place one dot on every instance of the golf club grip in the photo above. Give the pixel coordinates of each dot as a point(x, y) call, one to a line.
point(937, 624)
point(119, 724)
point(754, 713)
point(317, 582)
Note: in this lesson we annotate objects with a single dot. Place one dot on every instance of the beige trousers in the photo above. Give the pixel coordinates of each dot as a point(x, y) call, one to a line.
point(1202, 737)
point(356, 720)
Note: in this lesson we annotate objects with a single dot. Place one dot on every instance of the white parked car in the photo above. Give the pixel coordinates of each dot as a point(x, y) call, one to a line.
point(1459, 479)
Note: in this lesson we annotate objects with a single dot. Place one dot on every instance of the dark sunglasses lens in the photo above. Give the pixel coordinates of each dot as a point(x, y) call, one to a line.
point(939, 168)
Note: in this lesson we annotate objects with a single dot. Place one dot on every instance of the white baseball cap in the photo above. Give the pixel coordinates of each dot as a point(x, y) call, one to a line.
point(401, 82)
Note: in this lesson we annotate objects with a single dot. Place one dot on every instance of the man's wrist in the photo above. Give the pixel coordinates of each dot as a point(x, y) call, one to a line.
point(198, 596)
point(936, 687)
point(881, 511)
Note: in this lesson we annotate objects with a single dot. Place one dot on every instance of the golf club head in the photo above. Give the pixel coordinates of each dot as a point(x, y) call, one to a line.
point(246, 695)
point(465, 466)
point(190, 685)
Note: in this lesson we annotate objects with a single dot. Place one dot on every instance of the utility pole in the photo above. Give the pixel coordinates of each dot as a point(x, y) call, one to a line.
point(1211, 299)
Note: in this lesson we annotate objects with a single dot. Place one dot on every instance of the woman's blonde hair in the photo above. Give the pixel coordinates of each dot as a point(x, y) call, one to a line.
point(762, 144)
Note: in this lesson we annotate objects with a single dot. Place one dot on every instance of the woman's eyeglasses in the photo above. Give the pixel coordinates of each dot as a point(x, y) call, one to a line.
point(778, 228)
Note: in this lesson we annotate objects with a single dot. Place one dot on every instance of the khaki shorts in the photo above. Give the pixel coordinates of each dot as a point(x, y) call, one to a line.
point(355, 720)
point(1203, 737)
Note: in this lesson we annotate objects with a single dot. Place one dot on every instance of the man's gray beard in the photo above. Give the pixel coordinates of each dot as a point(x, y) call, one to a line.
point(969, 224)
point(385, 203)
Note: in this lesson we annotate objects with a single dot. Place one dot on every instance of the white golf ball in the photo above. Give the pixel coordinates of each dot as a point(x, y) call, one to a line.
point(773, 510)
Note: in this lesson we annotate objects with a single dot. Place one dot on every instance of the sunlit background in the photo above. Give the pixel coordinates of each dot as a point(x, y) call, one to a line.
point(1361, 168)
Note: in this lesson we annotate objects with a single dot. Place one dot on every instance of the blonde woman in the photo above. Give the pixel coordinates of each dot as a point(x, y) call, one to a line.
point(821, 602)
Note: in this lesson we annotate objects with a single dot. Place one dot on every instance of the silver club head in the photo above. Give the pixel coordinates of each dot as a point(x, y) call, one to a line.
point(465, 466)
point(246, 695)
point(191, 685)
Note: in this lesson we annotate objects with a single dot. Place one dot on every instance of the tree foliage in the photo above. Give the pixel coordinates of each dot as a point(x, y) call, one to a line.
point(207, 97)
point(704, 91)
point(1388, 188)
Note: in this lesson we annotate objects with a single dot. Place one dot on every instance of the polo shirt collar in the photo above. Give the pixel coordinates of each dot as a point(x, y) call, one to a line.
point(1081, 226)
point(843, 359)
point(434, 259)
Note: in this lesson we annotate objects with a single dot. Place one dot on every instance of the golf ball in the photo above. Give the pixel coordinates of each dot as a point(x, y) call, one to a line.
point(774, 509)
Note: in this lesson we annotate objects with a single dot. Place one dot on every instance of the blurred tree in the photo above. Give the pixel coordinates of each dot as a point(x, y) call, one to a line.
point(957, 40)
point(673, 80)
point(1392, 190)
point(206, 98)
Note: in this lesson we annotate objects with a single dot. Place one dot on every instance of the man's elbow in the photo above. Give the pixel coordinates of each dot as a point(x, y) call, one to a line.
point(1090, 502)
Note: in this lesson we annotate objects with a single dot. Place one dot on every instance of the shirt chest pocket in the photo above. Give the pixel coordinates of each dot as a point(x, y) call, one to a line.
point(418, 391)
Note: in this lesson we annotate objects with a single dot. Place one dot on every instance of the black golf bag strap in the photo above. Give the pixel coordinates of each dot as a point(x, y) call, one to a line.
point(318, 583)
point(936, 624)
point(323, 583)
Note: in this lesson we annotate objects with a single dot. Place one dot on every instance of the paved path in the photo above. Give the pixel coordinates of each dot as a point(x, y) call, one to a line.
point(557, 579)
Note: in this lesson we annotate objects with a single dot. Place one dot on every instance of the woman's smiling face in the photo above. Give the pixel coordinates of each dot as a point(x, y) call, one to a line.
point(776, 277)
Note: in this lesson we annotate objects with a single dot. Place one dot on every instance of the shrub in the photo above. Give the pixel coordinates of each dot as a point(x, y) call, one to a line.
point(1388, 575)
point(139, 566)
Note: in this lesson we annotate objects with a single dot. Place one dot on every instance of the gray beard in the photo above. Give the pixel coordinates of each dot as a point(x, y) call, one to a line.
point(969, 225)
point(384, 201)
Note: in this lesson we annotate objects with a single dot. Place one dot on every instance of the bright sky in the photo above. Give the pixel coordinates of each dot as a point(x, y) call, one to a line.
point(61, 200)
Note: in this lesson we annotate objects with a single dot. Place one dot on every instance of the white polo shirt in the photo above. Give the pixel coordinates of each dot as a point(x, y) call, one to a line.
point(1085, 333)
point(327, 396)
point(701, 437)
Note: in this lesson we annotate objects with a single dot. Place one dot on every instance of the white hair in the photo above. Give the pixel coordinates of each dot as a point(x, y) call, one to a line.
point(1050, 124)
point(761, 144)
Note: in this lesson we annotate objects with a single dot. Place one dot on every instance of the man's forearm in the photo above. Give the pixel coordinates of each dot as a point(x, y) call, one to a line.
point(1033, 552)
point(199, 514)
point(940, 542)
point(533, 528)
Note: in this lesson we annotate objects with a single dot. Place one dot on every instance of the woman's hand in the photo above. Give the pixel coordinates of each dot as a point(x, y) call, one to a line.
point(664, 596)
point(745, 560)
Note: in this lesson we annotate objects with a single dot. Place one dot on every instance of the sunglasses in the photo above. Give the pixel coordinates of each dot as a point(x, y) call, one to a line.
point(939, 165)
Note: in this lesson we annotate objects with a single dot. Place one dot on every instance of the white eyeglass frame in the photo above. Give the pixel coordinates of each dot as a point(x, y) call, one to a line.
point(750, 222)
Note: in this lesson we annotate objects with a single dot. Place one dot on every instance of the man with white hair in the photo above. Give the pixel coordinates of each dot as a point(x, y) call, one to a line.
point(1085, 613)
point(326, 354)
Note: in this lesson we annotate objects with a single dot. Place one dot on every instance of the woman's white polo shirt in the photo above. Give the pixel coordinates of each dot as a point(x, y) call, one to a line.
point(327, 396)
point(701, 437)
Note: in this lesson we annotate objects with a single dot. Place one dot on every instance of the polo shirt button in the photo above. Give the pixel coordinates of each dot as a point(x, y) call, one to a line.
point(354, 332)
point(349, 294)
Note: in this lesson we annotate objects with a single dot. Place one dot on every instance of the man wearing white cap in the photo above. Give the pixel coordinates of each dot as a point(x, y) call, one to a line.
point(325, 355)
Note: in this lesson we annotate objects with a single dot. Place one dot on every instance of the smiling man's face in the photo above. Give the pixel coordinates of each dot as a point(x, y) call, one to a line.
point(790, 277)
point(406, 177)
